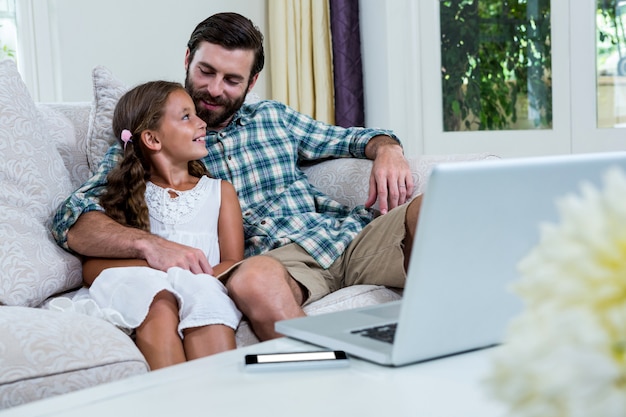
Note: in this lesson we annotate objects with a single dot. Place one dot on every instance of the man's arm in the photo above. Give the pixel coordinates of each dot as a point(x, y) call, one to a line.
point(391, 182)
point(96, 235)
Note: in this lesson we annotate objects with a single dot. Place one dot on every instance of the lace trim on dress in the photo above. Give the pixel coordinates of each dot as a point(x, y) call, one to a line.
point(172, 210)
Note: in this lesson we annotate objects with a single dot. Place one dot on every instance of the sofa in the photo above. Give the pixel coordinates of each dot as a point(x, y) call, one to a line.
point(46, 151)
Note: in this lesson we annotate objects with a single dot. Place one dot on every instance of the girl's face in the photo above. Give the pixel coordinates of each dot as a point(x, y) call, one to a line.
point(182, 133)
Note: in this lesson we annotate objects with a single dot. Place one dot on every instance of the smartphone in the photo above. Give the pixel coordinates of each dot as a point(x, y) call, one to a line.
point(296, 360)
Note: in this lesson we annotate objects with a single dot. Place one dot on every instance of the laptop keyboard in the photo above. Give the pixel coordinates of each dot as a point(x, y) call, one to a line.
point(383, 333)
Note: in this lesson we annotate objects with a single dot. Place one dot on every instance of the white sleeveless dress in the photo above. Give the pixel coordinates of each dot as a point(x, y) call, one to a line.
point(124, 295)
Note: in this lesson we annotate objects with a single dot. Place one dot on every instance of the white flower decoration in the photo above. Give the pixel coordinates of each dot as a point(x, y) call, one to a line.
point(565, 355)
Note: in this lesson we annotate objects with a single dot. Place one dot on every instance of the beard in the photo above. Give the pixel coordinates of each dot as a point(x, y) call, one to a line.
point(213, 118)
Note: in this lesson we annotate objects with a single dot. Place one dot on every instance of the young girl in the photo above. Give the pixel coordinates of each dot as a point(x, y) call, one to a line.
point(161, 187)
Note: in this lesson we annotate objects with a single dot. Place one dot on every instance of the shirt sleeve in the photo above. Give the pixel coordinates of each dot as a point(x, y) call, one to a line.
point(320, 140)
point(84, 199)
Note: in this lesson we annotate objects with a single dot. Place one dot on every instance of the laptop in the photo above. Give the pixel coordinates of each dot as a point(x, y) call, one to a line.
point(478, 220)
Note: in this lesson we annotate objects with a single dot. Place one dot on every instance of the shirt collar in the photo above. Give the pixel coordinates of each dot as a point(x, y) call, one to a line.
point(240, 118)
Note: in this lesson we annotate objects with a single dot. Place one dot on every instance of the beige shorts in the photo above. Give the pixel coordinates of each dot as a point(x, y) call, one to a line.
point(375, 256)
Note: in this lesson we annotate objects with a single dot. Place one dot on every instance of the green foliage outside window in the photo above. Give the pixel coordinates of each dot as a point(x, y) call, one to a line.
point(496, 56)
point(6, 51)
point(611, 31)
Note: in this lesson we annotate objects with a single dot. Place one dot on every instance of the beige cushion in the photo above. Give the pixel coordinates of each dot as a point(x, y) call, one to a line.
point(34, 181)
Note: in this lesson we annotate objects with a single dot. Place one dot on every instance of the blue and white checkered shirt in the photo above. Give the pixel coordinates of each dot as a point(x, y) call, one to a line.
point(259, 152)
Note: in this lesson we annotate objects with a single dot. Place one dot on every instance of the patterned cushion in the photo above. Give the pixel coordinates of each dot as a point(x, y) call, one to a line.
point(34, 181)
point(66, 125)
point(46, 353)
point(107, 90)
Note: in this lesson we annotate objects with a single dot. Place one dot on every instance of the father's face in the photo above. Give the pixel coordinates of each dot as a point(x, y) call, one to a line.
point(218, 80)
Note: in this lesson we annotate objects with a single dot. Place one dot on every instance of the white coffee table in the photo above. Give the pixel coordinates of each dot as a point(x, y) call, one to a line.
point(219, 386)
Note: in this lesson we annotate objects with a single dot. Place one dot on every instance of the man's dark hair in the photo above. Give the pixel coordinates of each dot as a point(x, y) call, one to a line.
point(230, 31)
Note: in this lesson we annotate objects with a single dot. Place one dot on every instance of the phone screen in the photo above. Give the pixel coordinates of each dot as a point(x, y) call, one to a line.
point(295, 357)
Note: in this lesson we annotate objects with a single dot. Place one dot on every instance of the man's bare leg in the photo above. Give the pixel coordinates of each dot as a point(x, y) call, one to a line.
point(265, 293)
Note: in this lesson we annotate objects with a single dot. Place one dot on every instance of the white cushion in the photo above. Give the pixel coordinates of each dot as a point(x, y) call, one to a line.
point(34, 181)
point(107, 90)
point(66, 125)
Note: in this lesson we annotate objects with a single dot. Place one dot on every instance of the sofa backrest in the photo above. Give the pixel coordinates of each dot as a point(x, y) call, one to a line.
point(345, 180)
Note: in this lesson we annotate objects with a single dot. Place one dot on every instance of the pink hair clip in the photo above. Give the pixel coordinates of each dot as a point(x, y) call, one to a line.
point(126, 137)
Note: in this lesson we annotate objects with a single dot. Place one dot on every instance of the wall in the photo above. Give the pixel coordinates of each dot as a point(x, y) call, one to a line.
point(138, 40)
point(141, 40)
point(391, 69)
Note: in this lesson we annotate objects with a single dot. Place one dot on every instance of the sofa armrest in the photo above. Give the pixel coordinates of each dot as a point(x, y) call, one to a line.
point(47, 353)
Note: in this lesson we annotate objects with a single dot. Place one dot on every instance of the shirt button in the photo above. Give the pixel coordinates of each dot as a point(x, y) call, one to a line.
point(263, 222)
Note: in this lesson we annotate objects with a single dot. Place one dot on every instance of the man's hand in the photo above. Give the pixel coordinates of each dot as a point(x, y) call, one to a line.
point(391, 182)
point(163, 254)
point(97, 235)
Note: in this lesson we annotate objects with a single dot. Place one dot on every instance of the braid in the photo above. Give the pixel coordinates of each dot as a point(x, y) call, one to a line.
point(124, 199)
point(198, 169)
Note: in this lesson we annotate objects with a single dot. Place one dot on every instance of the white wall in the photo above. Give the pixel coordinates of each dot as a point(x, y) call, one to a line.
point(138, 40)
point(391, 74)
point(142, 40)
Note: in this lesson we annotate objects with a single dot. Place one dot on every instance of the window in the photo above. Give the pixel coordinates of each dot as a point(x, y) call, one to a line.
point(496, 64)
point(406, 92)
point(8, 30)
point(611, 63)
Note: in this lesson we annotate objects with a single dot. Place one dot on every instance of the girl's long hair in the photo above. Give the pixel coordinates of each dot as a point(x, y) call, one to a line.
point(139, 109)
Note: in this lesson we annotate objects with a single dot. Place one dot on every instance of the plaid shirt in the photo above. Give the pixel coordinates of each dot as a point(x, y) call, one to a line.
point(259, 152)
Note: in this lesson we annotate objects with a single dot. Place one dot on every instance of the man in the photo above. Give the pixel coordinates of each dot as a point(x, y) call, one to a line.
point(301, 244)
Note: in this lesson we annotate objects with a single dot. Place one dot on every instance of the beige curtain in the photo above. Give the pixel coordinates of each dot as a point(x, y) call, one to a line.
point(300, 53)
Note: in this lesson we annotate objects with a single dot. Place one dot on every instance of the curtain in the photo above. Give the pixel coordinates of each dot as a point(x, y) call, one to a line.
point(347, 65)
point(301, 56)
